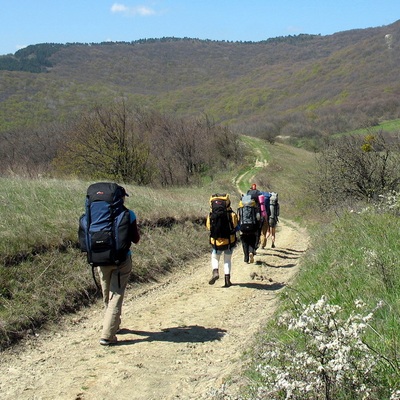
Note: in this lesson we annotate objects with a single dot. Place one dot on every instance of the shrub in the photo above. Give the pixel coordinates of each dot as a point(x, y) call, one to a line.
point(327, 359)
point(357, 168)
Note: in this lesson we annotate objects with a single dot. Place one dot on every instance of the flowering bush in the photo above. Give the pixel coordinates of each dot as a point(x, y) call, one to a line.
point(390, 202)
point(334, 361)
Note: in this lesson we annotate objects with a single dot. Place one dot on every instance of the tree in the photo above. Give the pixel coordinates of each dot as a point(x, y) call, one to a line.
point(29, 152)
point(187, 149)
point(143, 146)
point(358, 168)
point(108, 143)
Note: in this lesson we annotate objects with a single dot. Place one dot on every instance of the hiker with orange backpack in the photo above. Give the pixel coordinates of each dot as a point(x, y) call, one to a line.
point(222, 222)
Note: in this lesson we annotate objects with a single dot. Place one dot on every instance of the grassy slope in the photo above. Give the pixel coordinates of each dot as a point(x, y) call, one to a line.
point(352, 256)
point(43, 274)
point(385, 126)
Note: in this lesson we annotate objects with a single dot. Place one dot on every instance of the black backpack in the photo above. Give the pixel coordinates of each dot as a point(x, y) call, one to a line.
point(247, 213)
point(221, 226)
point(104, 228)
point(254, 193)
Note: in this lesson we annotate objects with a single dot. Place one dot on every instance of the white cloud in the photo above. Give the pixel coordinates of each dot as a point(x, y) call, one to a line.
point(294, 29)
point(116, 7)
point(143, 11)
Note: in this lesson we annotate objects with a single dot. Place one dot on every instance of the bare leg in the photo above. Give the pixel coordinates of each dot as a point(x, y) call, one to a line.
point(264, 231)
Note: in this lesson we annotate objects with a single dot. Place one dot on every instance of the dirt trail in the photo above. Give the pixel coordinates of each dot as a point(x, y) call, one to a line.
point(182, 337)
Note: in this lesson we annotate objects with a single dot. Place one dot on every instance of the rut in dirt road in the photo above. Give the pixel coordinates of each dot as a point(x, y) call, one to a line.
point(182, 338)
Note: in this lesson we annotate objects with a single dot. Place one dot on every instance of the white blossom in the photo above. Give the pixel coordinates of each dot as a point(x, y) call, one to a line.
point(333, 350)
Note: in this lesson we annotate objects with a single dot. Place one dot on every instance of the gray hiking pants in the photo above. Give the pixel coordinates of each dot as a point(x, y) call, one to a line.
point(113, 295)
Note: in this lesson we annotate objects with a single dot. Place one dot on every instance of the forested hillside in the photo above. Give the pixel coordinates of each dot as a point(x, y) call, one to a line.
point(323, 83)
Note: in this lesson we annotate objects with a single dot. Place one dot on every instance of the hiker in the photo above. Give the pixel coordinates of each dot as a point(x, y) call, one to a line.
point(264, 232)
point(112, 260)
point(273, 217)
point(249, 223)
point(222, 222)
point(254, 193)
point(265, 212)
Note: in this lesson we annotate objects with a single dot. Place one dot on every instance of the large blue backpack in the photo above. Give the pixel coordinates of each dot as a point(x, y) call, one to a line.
point(104, 228)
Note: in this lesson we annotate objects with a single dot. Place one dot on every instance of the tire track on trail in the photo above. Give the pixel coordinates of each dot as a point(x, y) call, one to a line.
point(260, 162)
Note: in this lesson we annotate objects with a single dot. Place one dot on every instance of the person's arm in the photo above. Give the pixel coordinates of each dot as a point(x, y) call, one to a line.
point(135, 235)
point(134, 231)
point(208, 224)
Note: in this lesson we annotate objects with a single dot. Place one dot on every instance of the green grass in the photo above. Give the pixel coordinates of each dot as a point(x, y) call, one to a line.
point(392, 125)
point(37, 213)
point(258, 151)
point(353, 258)
point(287, 173)
point(356, 258)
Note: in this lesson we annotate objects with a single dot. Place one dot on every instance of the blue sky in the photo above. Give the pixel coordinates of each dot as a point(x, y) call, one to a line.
point(25, 22)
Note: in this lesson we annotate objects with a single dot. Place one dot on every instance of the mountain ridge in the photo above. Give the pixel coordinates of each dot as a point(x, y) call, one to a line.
point(305, 77)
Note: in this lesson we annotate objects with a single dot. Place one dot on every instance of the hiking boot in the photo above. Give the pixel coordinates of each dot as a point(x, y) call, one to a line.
point(228, 282)
point(273, 245)
point(251, 256)
point(215, 276)
point(108, 342)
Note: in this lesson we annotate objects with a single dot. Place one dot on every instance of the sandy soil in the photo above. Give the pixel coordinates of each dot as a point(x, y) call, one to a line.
point(182, 338)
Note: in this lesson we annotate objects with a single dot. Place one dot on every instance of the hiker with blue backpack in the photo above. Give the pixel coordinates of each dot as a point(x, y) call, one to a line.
point(222, 222)
point(106, 231)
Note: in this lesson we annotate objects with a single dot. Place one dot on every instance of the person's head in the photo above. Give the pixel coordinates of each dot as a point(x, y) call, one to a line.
point(124, 194)
point(253, 186)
